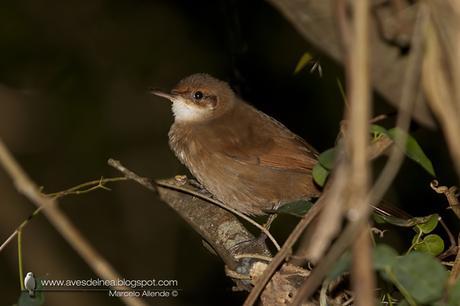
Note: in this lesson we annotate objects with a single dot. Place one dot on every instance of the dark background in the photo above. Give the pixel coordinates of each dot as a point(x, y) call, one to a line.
point(74, 79)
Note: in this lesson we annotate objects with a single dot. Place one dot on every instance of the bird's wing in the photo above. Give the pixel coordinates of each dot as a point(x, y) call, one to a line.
point(278, 153)
point(265, 142)
point(288, 153)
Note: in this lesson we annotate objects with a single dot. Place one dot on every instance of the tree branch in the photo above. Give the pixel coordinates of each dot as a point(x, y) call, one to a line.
point(221, 229)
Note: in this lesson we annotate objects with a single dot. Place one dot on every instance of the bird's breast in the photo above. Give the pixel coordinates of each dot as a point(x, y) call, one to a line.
point(186, 143)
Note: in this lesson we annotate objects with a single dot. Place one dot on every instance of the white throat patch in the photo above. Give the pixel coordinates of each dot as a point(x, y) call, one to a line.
point(185, 112)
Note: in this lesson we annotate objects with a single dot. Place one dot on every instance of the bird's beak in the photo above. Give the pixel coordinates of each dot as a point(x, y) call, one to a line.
point(162, 94)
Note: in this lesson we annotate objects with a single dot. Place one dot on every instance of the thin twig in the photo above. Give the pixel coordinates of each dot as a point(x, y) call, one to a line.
point(449, 233)
point(455, 272)
point(451, 196)
point(378, 118)
point(147, 183)
point(342, 243)
point(362, 272)
point(256, 256)
point(21, 273)
point(408, 98)
point(76, 190)
point(62, 224)
point(90, 186)
point(453, 248)
point(8, 240)
point(315, 244)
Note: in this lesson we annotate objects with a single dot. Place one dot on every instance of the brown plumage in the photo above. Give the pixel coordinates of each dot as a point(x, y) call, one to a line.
point(245, 158)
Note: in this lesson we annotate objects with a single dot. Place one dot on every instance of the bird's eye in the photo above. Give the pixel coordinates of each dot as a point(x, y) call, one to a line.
point(198, 95)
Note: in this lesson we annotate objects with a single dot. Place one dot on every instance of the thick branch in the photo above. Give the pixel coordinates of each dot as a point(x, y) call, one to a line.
point(218, 227)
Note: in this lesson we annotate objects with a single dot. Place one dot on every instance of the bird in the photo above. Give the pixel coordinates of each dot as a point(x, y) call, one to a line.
point(30, 284)
point(246, 159)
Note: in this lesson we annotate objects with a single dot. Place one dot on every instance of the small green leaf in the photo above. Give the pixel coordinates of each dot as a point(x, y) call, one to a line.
point(411, 222)
point(378, 219)
point(429, 225)
point(320, 174)
point(378, 130)
point(297, 208)
point(431, 244)
point(384, 257)
point(421, 275)
point(341, 266)
point(327, 159)
point(396, 221)
point(413, 150)
point(303, 61)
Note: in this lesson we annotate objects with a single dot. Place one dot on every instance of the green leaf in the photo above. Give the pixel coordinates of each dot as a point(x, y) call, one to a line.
point(320, 174)
point(378, 130)
point(297, 208)
point(429, 225)
point(454, 294)
point(303, 61)
point(341, 266)
point(431, 244)
point(413, 150)
point(396, 221)
point(322, 168)
point(378, 219)
point(327, 159)
point(384, 257)
point(411, 222)
point(423, 220)
point(421, 275)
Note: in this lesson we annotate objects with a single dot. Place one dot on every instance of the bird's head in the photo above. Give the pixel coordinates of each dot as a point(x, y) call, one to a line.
point(199, 97)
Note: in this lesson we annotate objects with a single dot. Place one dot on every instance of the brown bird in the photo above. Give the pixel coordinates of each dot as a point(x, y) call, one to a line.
point(243, 157)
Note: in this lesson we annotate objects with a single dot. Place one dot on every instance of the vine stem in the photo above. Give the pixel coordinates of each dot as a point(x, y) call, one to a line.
point(21, 274)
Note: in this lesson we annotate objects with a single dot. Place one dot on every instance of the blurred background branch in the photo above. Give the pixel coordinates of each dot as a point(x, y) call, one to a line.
point(390, 33)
